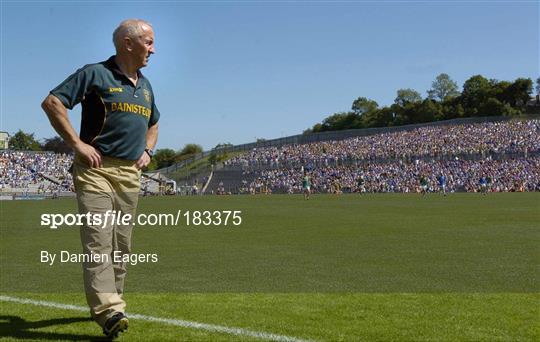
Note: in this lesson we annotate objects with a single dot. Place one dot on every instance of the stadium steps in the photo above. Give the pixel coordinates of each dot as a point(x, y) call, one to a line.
point(232, 181)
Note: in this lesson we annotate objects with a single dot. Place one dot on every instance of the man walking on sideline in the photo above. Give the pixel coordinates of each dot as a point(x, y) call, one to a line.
point(118, 132)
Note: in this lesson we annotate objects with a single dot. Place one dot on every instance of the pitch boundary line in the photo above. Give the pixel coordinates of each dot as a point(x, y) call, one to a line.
point(167, 321)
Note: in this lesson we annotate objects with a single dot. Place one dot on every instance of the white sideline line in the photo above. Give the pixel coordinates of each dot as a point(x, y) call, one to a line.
point(175, 322)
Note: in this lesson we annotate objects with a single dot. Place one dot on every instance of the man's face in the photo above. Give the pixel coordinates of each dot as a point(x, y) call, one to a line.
point(143, 47)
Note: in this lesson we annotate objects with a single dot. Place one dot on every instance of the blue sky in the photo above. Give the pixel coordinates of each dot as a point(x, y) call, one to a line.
point(227, 71)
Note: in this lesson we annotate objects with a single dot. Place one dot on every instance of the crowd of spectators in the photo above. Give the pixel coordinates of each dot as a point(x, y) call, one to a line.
point(45, 172)
point(508, 137)
point(507, 153)
point(522, 174)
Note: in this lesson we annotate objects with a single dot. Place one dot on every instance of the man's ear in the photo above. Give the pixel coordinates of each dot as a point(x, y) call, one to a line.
point(128, 43)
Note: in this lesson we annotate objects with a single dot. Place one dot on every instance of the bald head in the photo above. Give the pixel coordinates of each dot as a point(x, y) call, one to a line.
point(130, 28)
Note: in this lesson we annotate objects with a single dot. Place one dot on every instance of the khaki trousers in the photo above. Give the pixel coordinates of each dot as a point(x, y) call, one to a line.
point(113, 187)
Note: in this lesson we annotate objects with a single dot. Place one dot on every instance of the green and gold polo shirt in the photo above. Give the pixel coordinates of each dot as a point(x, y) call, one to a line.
point(115, 113)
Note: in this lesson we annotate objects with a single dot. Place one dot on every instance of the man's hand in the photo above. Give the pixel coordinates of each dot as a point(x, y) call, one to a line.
point(143, 161)
point(89, 154)
point(57, 114)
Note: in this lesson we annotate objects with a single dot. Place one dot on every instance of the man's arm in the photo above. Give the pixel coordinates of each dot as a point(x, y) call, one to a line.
point(151, 140)
point(57, 114)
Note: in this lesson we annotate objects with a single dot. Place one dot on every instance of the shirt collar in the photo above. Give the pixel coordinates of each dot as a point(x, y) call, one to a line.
point(111, 64)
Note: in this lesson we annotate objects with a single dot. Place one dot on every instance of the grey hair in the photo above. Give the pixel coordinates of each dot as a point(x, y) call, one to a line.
point(131, 28)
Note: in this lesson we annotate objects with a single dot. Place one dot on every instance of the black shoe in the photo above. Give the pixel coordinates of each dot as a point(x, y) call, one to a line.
point(116, 324)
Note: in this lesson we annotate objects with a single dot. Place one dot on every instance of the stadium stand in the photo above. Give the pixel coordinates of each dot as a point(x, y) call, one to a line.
point(507, 152)
point(462, 175)
point(490, 138)
point(35, 174)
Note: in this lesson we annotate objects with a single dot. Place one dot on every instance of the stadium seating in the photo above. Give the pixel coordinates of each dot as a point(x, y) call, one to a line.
point(507, 152)
point(504, 152)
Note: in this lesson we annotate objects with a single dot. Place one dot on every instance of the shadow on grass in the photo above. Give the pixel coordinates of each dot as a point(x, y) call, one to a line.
point(18, 328)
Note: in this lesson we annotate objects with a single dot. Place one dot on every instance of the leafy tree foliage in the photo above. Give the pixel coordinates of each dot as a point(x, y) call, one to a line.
point(476, 91)
point(364, 105)
point(442, 88)
point(163, 158)
point(519, 92)
point(24, 142)
point(190, 149)
point(480, 97)
point(219, 153)
point(339, 121)
point(379, 118)
point(56, 145)
point(407, 96)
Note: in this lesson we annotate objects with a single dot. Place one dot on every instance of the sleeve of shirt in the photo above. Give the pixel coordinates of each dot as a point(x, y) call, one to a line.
point(75, 87)
point(154, 117)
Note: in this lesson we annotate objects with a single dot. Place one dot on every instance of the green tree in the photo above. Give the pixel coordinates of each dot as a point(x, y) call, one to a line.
point(379, 118)
point(538, 86)
point(315, 129)
point(318, 127)
point(56, 145)
point(519, 92)
point(164, 157)
point(363, 106)
point(399, 115)
point(442, 88)
point(213, 158)
point(494, 107)
point(188, 151)
point(500, 91)
point(415, 112)
point(476, 91)
point(152, 165)
point(340, 121)
point(452, 108)
point(219, 153)
point(24, 142)
point(408, 95)
point(430, 110)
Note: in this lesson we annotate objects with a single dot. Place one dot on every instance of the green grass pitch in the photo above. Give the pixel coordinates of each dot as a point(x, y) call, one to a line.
point(335, 268)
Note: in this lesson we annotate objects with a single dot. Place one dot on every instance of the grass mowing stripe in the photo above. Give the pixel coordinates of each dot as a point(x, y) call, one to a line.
point(175, 322)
